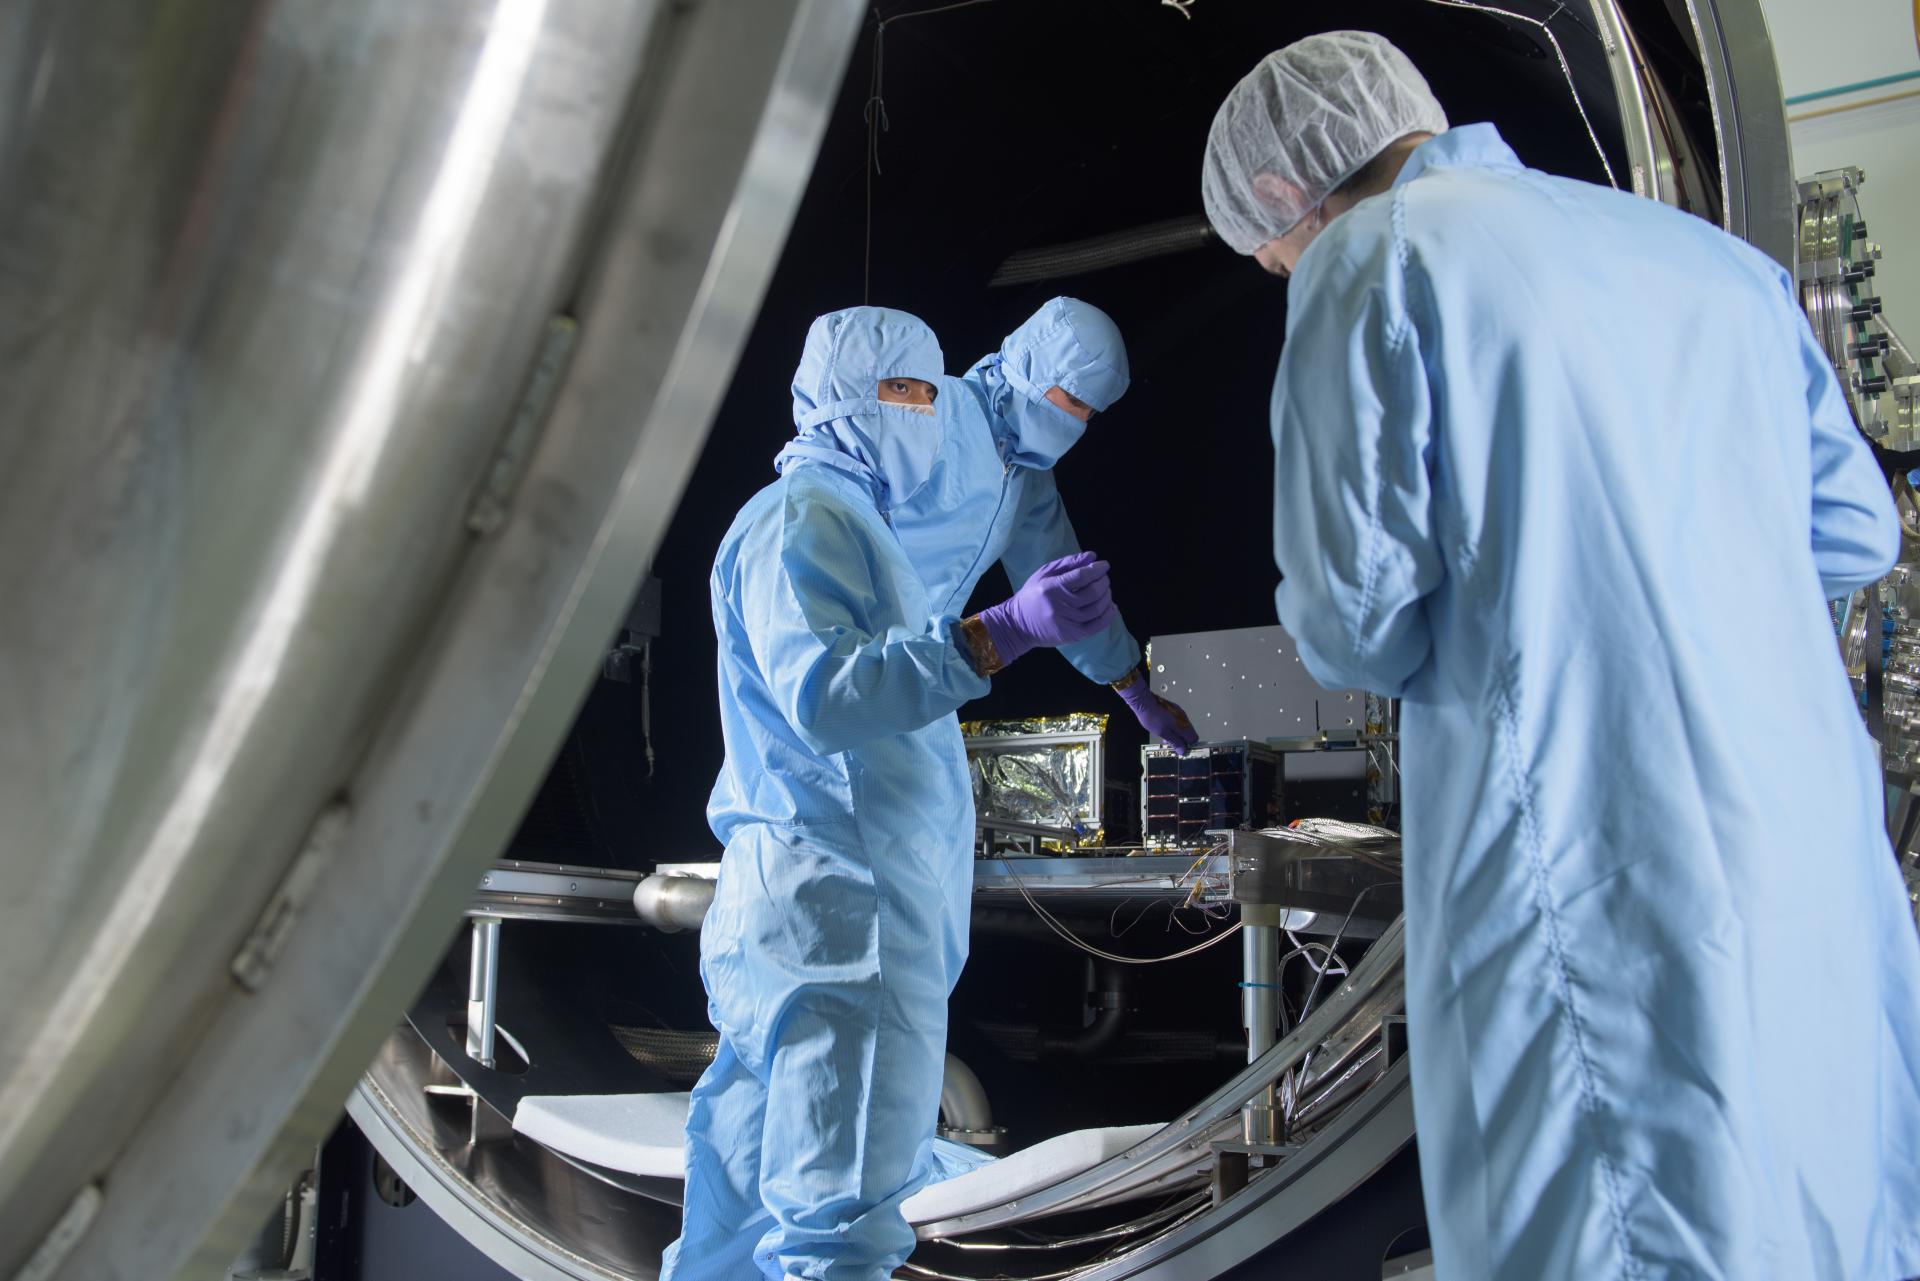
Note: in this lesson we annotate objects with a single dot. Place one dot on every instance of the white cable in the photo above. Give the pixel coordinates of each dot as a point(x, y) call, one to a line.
point(1143, 1224)
point(1307, 950)
point(1160, 1230)
point(1054, 924)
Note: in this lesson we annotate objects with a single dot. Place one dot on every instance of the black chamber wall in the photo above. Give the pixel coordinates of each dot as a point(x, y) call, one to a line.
point(1011, 125)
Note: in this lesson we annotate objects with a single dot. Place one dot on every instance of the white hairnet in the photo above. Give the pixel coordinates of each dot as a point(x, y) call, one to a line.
point(1310, 115)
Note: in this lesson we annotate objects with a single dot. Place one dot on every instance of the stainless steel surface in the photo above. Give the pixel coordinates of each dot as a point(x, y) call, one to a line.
point(1337, 1160)
point(499, 1194)
point(966, 1116)
point(560, 1043)
point(707, 870)
point(1307, 1111)
point(1109, 882)
point(1259, 1008)
point(277, 274)
point(483, 987)
point(1093, 877)
point(1106, 881)
point(1838, 265)
point(1879, 626)
point(1374, 990)
point(673, 902)
point(518, 890)
point(1750, 123)
point(1349, 1044)
point(1409, 1267)
point(1249, 682)
point(1287, 868)
point(273, 275)
point(1678, 172)
point(1260, 981)
point(1631, 106)
point(519, 1203)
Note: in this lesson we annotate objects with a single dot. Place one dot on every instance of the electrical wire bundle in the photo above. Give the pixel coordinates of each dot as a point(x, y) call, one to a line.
point(1377, 847)
point(1060, 928)
point(1123, 1237)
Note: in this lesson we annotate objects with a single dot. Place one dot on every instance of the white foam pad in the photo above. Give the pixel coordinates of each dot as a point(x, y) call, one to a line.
point(637, 1133)
point(1028, 1170)
point(645, 1134)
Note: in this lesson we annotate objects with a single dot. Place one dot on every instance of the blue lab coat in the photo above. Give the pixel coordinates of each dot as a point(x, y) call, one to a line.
point(839, 924)
point(1003, 439)
point(1563, 469)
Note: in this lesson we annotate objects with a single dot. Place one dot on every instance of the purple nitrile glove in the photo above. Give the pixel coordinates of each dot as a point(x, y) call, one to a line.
point(1065, 600)
point(1165, 720)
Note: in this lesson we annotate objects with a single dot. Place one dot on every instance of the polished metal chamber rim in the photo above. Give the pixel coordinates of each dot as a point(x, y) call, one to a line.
point(1182, 1147)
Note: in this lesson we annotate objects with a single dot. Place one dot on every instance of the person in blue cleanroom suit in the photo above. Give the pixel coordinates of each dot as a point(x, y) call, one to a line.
point(1563, 469)
point(1013, 415)
point(839, 924)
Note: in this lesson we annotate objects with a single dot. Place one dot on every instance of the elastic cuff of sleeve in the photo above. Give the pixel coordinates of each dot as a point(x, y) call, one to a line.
point(980, 647)
point(1126, 682)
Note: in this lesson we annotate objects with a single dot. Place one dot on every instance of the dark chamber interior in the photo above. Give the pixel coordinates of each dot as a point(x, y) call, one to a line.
point(1012, 125)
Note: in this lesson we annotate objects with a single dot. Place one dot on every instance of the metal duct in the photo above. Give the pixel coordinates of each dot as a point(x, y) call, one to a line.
point(1155, 240)
point(674, 902)
point(679, 1057)
point(965, 1114)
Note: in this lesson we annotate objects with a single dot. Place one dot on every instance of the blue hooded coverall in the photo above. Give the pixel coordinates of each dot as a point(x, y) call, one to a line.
point(1564, 470)
point(839, 924)
point(1004, 437)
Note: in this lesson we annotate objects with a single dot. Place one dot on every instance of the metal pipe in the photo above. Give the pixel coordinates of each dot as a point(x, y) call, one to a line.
point(675, 902)
point(1109, 1001)
point(1101, 252)
point(1259, 990)
point(1110, 997)
point(1260, 975)
point(483, 977)
point(965, 1114)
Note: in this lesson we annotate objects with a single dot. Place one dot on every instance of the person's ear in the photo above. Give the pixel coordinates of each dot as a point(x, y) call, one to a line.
point(1277, 193)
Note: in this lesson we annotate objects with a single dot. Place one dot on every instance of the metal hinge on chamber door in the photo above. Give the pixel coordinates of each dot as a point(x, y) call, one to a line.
point(268, 938)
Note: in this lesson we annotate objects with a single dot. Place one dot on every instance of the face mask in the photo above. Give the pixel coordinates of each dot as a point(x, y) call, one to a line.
point(1037, 431)
point(1041, 433)
point(944, 526)
point(905, 444)
point(894, 445)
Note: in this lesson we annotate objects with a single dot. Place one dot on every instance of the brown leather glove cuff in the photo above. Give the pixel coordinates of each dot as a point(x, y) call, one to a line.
point(985, 658)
